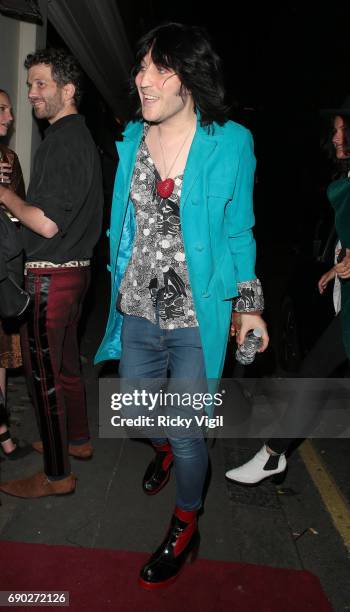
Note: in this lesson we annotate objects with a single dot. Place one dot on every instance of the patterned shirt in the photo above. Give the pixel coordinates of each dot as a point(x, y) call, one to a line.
point(156, 278)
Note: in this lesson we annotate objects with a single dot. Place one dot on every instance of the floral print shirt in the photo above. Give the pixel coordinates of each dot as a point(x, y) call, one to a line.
point(156, 280)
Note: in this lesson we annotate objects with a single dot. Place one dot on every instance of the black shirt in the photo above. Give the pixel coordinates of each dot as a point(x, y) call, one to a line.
point(66, 184)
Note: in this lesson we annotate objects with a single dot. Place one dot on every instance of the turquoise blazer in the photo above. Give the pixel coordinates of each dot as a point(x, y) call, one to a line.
point(216, 212)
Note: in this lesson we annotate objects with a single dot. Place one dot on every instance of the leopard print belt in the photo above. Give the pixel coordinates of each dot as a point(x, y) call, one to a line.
point(82, 263)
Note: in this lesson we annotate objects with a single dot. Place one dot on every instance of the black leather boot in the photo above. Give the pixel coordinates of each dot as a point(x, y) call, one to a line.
point(158, 471)
point(181, 541)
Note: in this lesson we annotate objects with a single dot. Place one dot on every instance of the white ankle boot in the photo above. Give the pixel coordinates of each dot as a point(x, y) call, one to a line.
point(261, 466)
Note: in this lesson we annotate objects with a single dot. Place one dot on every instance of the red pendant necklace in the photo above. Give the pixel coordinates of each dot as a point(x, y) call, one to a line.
point(165, 188)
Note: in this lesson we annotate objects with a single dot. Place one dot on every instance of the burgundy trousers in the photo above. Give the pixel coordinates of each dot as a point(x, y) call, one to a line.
point(52, 362)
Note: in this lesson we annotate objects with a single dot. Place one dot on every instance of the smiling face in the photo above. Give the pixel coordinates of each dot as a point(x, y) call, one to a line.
point(338, 138)
point(161, 94)
point(49, 100)
point(6, 116)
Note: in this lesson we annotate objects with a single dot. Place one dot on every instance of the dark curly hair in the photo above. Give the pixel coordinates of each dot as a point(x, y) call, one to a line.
point(341, 167)
point(188, 51)
point(64, 68)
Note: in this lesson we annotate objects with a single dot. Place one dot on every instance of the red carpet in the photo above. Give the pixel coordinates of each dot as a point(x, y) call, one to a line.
point(100, 580)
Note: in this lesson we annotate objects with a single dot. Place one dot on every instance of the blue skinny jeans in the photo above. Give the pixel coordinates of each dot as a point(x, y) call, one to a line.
point(150, 352)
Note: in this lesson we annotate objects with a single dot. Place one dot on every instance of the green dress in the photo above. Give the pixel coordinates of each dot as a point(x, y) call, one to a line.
point(339, 196)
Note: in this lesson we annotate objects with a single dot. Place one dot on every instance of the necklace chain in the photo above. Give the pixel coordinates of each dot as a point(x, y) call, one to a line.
point(177, 154)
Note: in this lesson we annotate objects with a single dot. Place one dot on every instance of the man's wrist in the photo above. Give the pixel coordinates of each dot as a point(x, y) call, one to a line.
point(257, 313)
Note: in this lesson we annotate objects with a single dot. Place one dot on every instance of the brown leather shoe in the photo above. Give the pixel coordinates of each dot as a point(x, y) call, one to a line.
point(81, 451)
point(39, 485)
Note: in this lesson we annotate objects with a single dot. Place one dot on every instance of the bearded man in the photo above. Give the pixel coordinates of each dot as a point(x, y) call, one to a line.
point(61, 221)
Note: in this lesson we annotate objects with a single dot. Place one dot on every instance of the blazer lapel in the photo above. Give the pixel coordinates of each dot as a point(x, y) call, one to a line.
point(203, 146)
point(127, 150)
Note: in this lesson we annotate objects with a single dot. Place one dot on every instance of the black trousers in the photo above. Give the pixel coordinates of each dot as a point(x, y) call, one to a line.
point(324, 358)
